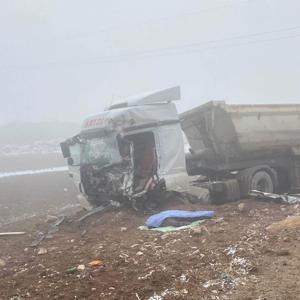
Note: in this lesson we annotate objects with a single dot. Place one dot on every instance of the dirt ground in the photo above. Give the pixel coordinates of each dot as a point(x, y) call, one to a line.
point(25, 196)
point(232, 256)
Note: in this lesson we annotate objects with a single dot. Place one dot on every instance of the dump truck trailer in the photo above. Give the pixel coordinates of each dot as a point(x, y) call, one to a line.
point(244, 147)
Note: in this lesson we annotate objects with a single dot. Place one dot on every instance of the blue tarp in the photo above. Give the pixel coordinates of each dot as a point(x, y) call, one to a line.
point(158, 219)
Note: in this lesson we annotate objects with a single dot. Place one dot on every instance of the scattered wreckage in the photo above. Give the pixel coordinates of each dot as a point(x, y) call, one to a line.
point(136, 150)
point(285, 198)
point(11, 233)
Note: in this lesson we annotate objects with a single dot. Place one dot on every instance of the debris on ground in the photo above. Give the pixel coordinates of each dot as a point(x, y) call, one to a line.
point(2, 263)
point(81, 268)
point(52, 228)
point(96, 263)
point(180, 216)
point(242, 207)
point(166, 229)
point(289, 199)
point(199, 231)
point(11, 233)
point(230, 257)
point(72, 270)
point(96, 210)
point(42, 251)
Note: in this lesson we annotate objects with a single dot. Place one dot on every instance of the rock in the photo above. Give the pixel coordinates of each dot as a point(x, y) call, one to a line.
point(2, 263)
point(199, 231)
point(219, 220)
point(252, 213)
point(195, 252)
point(242, 207)
point(282, 252)
point(165, 236)
point(42, 251)
point(183, 278)
point(53, 248)
point(140, 253)
point(289, 222)
point(81, 268)
point(123, 229)
point(16, 297)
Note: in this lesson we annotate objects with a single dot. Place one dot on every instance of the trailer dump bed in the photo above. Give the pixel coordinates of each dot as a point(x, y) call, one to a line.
point(233, 132)
point(257, 145)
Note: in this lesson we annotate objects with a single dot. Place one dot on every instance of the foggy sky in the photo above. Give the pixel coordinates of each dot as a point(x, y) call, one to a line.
point(65, 59)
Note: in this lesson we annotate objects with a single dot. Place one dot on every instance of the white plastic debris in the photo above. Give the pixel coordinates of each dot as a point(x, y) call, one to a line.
point(42, 251)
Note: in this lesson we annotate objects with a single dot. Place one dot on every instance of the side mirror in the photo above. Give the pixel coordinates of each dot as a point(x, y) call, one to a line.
point(70, 161)
point(64, 146)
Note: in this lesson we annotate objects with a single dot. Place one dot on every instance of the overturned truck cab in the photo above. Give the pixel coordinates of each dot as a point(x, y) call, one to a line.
point(129, 152)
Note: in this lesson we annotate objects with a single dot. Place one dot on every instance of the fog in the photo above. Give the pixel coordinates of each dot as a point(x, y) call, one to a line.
point(138, 203)
point(61, 60)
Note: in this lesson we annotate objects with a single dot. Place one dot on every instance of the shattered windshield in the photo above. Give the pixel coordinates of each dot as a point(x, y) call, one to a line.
point(101, 151)
point(75, 153)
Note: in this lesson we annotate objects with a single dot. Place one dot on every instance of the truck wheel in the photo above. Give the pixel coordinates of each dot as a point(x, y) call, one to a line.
point(224, 191)
point(261, 178)
point(262, 181)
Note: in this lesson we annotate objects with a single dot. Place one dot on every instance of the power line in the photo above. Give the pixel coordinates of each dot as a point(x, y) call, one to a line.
point(143, 55)
point(197, 44)
point(137, 24)
point(238, 44)
point(193, 47)
point(161, 19)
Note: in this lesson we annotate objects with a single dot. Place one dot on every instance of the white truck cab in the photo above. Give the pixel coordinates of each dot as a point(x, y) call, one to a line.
point(129, 151)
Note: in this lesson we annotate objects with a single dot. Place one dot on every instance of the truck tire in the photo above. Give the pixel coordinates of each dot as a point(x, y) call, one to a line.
point(262, 181)
point(261, 178)
point(224, 191)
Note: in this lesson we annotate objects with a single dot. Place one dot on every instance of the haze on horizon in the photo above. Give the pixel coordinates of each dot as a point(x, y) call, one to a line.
point(61, 60)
